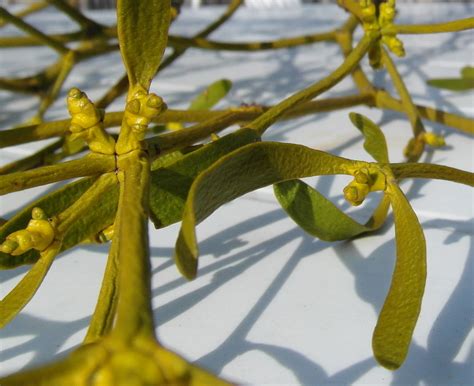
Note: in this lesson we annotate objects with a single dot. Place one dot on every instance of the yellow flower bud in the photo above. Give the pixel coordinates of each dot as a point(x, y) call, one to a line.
point(433, 139)
point(87, 123)
point(38, 234)
point(355, 193)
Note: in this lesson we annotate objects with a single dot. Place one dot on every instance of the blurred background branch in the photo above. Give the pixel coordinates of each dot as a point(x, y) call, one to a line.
point(97, 4)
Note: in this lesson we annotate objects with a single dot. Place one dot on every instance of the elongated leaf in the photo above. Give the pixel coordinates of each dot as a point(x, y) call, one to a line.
point(246, 169)
point(52, 204)
point(397, 320)
point(170, 185)
point(17, 298)
point(453, 84)
point(315, 213)
point(439, 172)
point(143, 33)
point(374, 143)
point(97, 212)
point(207, 99)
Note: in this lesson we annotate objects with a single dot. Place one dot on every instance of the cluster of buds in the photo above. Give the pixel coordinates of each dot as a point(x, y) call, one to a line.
point(379, 19)
point(38, 234)
point(87, 123)
point(141, 108)
point(363, 183)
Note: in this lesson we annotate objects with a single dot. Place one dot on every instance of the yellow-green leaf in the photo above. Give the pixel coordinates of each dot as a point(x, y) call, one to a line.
point(170, 184)
point(439, 172)
point(374, 143)
point(143, 33)
point(19, 296)
point(246, 169)
point(397, 320)
point(211, 95)
point(315, 213)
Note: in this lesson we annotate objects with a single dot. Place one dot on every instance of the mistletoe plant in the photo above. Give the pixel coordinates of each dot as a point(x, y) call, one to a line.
point(170, 173)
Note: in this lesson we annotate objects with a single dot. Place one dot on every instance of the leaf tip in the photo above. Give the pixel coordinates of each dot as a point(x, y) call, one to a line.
point(186, 257)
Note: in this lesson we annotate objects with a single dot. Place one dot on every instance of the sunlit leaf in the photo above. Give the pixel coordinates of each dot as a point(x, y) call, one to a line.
point(374, 143)
point(142, 28)
point(425, 170)
point(19, 296)
point(397, 320)
point(170, 185)
point(246, 169)
point(211, 95)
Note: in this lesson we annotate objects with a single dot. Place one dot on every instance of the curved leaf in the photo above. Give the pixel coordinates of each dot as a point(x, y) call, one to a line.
point(320, 217)
point(208, 98)
point(246, 169)
point(170, 185)
point(374, 143)
point(397, 320)
point(19, 296)
point(142, 28)
point(317, 215)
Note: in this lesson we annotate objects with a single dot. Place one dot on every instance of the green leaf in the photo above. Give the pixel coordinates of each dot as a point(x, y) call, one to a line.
point(397, 320)
point(207, 99)
point(437, 172)
point(244, 170)
point(53, 204)
point(142, 28)
point(19, 296)
point(320, 217)
point(315, 213)
point(170, 184)
point(99, 215)
point(375, 143)
point(467, 72)
point(453, 84)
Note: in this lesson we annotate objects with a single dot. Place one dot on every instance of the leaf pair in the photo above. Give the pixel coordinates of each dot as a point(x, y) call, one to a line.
point(257, 165)
point(319, 217)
